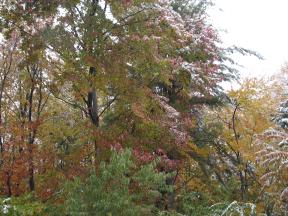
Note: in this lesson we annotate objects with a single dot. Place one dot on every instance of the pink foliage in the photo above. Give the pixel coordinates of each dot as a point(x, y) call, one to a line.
point(143, 156)
point(147, 157)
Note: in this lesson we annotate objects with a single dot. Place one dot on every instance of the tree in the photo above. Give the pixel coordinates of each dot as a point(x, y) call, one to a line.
point(222, 150)
point(90, 75)
point(118, 190)
point(272, 157)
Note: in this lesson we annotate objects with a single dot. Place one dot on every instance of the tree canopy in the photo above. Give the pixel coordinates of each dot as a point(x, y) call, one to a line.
point(117, 107)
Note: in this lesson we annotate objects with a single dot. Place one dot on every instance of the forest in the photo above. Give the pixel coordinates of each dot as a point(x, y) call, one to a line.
point(118, 108)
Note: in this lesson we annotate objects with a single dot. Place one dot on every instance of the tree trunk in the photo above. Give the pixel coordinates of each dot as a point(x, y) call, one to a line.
point(92, 103)
point(31, 136)
point(8, 184)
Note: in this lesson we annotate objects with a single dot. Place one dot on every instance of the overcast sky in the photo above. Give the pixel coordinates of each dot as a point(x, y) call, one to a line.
point(260, 25)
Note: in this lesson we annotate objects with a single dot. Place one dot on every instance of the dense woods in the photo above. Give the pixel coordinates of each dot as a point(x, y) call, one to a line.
point(117, 107)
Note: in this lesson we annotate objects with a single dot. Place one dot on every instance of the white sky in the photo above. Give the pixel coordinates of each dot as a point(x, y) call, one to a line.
point(259, 25)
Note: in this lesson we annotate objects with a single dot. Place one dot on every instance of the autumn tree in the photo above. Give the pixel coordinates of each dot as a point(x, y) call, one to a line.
point(83, 77)
point(272, 155)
